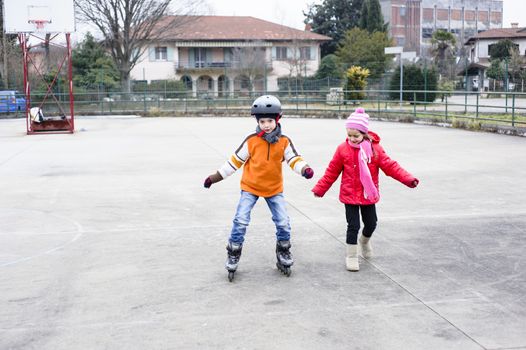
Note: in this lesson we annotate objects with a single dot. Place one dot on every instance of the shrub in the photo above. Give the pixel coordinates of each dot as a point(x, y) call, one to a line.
point(355, 83)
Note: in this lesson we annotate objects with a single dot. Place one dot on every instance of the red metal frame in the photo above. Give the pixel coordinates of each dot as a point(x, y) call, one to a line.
point(66, 125)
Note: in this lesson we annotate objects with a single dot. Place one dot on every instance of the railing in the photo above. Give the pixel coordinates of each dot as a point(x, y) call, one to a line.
point(208, 65)
point(467, 107)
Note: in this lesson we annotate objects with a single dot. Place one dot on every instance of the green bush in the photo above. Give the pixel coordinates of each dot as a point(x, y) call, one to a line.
point(415, 79)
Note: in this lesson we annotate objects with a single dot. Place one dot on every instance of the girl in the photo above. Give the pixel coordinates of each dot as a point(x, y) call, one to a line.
point(359, 158)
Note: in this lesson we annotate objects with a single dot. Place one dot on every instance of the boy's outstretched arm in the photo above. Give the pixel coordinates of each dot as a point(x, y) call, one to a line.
point(235, 162)
point(296, 161)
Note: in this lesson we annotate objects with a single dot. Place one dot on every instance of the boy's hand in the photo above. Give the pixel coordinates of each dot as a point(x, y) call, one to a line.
point(212, 179)
point(308, 173)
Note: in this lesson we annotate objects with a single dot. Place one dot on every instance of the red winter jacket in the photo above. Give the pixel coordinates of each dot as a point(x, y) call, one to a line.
point(345, 160)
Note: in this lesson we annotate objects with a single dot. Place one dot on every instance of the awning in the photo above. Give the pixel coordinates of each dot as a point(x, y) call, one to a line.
point(223, 44)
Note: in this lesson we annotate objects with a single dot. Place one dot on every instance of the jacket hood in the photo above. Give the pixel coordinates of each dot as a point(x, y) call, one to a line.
point(374, 137)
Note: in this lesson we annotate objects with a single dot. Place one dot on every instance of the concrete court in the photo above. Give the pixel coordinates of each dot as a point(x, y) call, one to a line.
point(109, 241)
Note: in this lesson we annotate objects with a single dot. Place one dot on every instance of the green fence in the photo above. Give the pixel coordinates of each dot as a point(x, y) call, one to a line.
point(496, 108)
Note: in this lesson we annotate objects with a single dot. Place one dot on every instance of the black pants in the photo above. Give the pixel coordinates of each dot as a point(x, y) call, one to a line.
point(352, 213)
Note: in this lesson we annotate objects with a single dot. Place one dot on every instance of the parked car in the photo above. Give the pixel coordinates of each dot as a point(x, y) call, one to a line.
point(12, 101)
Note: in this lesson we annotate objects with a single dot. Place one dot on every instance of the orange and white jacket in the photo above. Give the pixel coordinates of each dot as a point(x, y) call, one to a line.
point(262, 175)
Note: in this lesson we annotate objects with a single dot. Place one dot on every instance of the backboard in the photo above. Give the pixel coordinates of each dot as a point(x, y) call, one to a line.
point(43, 16)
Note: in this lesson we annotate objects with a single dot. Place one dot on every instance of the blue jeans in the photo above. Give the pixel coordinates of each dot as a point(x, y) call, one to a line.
point(277, 207)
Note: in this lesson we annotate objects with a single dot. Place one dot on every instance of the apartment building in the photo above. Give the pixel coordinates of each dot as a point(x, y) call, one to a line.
point(412, 22)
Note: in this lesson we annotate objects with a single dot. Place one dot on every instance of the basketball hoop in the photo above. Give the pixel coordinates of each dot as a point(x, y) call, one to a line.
point(39, 23)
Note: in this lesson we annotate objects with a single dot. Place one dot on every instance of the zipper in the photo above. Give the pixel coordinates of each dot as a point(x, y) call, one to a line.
point(268, 152)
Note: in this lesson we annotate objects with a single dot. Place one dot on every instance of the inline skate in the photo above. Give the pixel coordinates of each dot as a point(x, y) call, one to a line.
point(284, 257)
point(233, 255)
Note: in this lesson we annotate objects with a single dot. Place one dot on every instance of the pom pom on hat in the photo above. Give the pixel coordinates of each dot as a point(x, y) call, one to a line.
point(358, 120)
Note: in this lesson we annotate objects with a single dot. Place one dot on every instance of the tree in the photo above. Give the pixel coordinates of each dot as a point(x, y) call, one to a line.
point(371, 18)
point(415, 78)
point(126, 25)
point(355, 83)
point(333, 18)
point(496, 70)
point(443, 50)
point(502, 49)
point(10, 51)
point(330, 67)
point(92, 65)
point(361, 48)
point(250, 62)
point(516, 65)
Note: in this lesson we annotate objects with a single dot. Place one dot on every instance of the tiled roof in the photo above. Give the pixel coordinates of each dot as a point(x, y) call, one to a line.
point(207, 28)
point(499, 33)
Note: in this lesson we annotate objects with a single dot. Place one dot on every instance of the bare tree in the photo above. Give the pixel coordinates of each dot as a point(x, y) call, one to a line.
point(250, 62)
point(296, 65)
point(126, 25)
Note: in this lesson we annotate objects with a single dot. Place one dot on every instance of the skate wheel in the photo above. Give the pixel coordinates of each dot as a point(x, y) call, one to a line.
point(230, 276)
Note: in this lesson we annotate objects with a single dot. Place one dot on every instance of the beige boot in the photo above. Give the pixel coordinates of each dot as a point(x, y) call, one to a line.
point(351, 260)
point(365, 244)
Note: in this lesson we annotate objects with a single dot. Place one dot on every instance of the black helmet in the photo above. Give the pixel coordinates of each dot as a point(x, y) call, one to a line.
point(267, 105)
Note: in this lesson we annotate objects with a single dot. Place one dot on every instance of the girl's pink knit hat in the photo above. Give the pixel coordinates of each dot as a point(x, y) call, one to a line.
point(358, 120)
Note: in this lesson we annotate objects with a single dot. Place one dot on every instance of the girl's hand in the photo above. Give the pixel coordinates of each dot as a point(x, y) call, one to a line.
point(414, 183)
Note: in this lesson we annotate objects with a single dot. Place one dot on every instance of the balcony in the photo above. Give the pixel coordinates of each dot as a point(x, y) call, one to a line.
point(217, 67)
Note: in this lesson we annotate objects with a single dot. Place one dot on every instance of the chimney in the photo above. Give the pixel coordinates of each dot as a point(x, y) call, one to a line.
point(515, 25)
point(308, 27)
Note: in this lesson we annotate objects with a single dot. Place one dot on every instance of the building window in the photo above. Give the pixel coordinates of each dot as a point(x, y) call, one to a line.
point(161, 53)
point(281, 53)
point(200, 57)
point(305, 53)
point(427, 33)
point(402, 11)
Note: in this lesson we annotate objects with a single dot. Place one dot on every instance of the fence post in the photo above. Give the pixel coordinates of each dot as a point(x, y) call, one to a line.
point(446, 107)
point(297, 99)
point(414, 104)
point(513, 110)
point(477, 112)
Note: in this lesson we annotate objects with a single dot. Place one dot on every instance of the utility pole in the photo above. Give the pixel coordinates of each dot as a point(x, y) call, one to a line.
point(399, 50)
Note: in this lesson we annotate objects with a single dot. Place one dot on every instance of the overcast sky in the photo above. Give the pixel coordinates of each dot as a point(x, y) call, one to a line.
point(290, 12)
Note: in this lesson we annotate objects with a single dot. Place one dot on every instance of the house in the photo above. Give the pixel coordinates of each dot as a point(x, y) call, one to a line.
point(226, 55)
point(412, 22)
point(479, 47)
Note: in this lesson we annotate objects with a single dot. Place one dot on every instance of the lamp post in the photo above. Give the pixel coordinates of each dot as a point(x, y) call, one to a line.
point(399, 50)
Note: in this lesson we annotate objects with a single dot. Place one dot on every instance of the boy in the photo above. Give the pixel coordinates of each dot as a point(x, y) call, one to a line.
point(262, 153)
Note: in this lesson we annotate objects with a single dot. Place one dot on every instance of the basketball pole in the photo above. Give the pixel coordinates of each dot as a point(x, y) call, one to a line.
point(53, 126)
point(70, 83)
